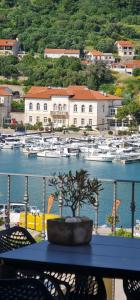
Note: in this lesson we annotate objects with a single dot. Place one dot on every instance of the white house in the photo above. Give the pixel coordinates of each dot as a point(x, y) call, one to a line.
point(126, 66)
point(6, 97)
point(126, 49)
point(9, 47)
point(74, 105)
point(95, 56)
point(57, 53)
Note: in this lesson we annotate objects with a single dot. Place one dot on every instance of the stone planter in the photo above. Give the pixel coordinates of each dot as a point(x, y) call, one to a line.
point(70, 232)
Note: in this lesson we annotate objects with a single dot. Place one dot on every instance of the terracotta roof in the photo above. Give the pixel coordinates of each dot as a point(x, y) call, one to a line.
point(46, 92)
point(73, 91)
point(124, 43)
point(5, 91)
point(128, 64)
point(96, 53)
point(4, 42)
point(61, 51)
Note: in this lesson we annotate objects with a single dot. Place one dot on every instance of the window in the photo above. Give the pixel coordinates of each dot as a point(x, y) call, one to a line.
point(112, 111)
point(90, 122)
point(45, 120)
point(55, 107)
point(125, 123)
point(64, 107)
point(83, 108)
point(38, 106)
point(103, 108)
point(75, 108)
point(30, 106)
point(37, 119)
point(45, 106)
point(82, 121)
point(60, 107)
point(130, 53)
point(112, 123)
point(75, 121)
point(125, 52)
point(90, 108)
point(119, 123)
point(30, 119)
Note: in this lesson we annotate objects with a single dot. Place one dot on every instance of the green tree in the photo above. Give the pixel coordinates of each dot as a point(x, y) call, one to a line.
point(97, 75)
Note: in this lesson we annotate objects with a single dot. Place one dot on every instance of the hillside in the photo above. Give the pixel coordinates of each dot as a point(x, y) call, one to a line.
point(70, 24)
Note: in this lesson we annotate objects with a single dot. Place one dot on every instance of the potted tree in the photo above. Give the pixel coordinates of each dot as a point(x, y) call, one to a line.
point(76, 190)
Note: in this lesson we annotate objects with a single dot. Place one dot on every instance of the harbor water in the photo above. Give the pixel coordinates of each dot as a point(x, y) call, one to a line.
point(17, 162)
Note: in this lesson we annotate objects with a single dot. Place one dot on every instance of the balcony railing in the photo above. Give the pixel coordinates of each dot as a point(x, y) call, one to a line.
point(59, 114)
point(34, 190)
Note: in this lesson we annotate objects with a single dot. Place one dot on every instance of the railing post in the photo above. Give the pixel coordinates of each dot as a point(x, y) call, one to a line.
point(132, 207)
point(7, 212)
point(96, 207)
point(26, 199)
point(60, 203)
point(114, 205)
point(44, 208)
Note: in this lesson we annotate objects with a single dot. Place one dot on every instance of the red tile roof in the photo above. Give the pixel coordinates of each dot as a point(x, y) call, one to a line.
point(4, 42)
point(5, 91)
point(61, 51)
point(128, 64)
point(96, 53)
point(125, 43)
point(74, 92)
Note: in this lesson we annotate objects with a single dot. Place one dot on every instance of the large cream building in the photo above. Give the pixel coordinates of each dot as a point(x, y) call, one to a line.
point(74, 105)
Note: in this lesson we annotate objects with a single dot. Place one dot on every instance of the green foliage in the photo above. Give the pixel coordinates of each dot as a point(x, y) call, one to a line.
point(69, 24)
point(18, 105)
point(76, 189)
point(98, 74)
point(131, 109)
point(136, 72)
point(123, 232)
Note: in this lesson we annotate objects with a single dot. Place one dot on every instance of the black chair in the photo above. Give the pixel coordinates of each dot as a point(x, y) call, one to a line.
point(14, 238)
point(75, 286)
point(83, 287)
point(23, 289)
point(88, 288)
point(132, 289)
point(17, 237)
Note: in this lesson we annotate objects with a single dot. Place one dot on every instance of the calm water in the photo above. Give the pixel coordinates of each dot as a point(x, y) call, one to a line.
point(17, 162)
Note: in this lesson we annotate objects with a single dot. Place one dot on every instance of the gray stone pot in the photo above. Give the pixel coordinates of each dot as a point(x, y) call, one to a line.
point(72, 234)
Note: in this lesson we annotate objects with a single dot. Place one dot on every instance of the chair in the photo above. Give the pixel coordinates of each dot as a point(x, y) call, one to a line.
point(14, 238)
point(76, 287)
point(83, 287)
point(23, 289)
point(132, 289)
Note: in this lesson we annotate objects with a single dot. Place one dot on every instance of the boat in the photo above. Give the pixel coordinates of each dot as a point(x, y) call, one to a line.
point(102, 157)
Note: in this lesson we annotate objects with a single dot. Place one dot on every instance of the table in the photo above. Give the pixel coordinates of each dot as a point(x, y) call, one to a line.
point(106, 256)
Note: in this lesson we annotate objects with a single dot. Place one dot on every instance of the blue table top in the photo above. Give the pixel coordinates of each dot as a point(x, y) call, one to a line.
point(106, 256)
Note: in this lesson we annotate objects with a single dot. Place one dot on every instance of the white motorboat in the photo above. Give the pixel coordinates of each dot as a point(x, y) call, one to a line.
point(103, 157)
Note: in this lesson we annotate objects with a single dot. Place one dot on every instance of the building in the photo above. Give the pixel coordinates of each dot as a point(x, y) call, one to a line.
point(125, 49)
point(74, 105)
point(126, 66)
point(9, 47)
point(57, 53)
point(95, 56)
point(6, 97)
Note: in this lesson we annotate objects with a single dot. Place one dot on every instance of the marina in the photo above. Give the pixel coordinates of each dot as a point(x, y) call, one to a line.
point(15, 161)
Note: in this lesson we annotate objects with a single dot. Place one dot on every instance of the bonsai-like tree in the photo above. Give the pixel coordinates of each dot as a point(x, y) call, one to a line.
point(76, 189)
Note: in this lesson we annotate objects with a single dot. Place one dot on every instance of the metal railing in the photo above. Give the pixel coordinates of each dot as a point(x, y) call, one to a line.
point(9, 183)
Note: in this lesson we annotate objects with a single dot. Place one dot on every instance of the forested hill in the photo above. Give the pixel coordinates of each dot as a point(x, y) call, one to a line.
point(69, 23)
